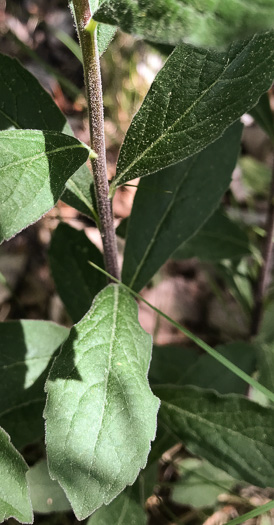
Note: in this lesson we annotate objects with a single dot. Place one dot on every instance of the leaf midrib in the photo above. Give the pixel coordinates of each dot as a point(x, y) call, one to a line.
point(111, 345)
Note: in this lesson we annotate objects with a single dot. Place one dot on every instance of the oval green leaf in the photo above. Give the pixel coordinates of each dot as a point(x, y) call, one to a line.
point(100, 412)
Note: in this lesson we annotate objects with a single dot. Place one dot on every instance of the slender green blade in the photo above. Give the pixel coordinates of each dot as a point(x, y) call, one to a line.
point(199, 23)
point(26, 350)
point(34, 167)
point(180, 200)
point(220, 238)
point(230, 431)
point(195, 97)
point(258, 511)
point(76, 281)
point(14, 492)
point(24, 104)
point(100, 412)
point(46, 495)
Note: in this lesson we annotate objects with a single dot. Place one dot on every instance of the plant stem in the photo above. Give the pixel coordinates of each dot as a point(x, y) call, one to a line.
point(265, 271)
point(92, 75)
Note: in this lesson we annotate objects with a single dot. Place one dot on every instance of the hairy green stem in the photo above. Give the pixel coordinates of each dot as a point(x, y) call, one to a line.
point(87, 32)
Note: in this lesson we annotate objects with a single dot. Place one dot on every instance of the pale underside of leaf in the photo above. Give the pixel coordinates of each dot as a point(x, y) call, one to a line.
point(100, 412)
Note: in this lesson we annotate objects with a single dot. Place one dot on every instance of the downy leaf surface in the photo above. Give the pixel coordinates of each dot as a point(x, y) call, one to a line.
point(24, 104)
point(14, 492)
point(195, 22)
point(193, 99)
point(230, 431)
point(34, 167)
point(176, 204)
point(100, 412)
point(77, 282)
point(26, 349)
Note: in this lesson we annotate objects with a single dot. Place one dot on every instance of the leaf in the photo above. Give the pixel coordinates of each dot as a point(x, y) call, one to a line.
point(179, 200)
point(34, 167)
point(46, 494)
point(265, 354)
point(199, 23)
point(209, 373)
point(264, 116)
point(193, 99)
point(256, 176)
point(183, 366)
point(24, 104)
point(77, 282)
point(105, 33)
point(14, 493)
point(266, 333)
point(128, 507)
point(26, 348)
point(170, 363)
point(79, 193)
point(220, 238)
point(123, 510)
point(200, 483)
point(230, 431)
point(100, 412)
